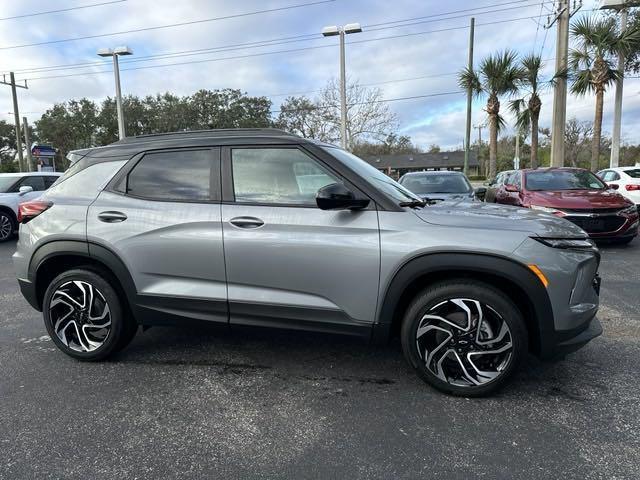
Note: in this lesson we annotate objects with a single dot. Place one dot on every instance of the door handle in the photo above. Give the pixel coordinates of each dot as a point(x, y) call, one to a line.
point(112, 217)
point(246, 222)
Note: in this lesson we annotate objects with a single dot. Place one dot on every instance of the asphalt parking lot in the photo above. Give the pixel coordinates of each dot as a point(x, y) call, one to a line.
point(199, 403)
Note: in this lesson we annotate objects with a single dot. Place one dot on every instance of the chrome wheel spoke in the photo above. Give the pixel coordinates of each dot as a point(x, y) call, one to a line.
point(464, 342)
point(72, 309)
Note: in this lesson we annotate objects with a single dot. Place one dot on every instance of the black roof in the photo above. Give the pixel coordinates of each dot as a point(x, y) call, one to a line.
point(193, 138)
point(422, 160)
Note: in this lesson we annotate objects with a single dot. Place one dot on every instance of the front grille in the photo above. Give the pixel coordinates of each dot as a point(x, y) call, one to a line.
point(598, 211)
point(598, 224)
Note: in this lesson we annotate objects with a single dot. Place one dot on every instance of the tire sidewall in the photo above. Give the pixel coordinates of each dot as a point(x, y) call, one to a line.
point(110, 295)
point(474, 291)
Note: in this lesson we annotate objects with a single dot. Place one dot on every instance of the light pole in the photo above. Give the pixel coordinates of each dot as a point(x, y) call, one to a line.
point(622, 7)
point(342, 31)
point(115, 53)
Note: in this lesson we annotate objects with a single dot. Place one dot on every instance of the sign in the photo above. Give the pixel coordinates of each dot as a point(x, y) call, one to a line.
point(43, 151)
point(44, 155)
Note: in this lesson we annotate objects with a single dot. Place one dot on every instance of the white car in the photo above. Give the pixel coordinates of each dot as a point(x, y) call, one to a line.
point(16, 188)
point(625, 180)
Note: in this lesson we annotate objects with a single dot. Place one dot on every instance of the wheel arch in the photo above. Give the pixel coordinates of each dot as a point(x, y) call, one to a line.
point(512, 278)
point(52, 258)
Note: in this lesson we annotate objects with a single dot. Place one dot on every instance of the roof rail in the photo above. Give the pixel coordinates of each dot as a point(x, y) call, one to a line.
point(218, 132)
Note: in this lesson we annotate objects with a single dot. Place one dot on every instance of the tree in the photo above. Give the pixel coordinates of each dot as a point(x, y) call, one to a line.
point(498, 75)
point(392, 144)
point(592, 65)
point(301, 116)
point(527, 109)
point(433, 148)
point(577, 136)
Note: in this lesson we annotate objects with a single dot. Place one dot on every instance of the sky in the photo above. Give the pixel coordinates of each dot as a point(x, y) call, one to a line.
point(408, 48)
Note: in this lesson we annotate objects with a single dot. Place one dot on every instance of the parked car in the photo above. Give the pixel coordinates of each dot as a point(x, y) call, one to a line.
point(222, 227)
point(496, 185)
point(435, 186)
point(576, 195)
point(16, 188)
point(625, 180)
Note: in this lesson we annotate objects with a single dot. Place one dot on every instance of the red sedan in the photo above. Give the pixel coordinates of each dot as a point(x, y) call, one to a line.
point(576, 195)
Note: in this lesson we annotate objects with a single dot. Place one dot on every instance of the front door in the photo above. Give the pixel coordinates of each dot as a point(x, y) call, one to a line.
point(289, 263)
point(162, 219)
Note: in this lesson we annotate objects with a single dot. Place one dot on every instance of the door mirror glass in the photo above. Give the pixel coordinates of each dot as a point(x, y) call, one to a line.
point(25, 189)
point(338, 197)
point(511, 188)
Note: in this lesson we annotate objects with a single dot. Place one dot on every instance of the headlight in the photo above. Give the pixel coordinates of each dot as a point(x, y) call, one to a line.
point(554, 211)
point(566, 243)
point(630, 210)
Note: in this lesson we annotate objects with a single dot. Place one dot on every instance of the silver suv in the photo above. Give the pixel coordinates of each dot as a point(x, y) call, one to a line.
point(260, 228)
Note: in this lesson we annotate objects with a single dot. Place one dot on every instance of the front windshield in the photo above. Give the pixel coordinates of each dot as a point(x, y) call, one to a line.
point(563, 180)
point(424, 184)
point(6, 183)
point(373, 175)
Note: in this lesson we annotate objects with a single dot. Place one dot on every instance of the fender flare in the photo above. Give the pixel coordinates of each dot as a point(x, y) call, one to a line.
point(474, 263)
point(90, 251)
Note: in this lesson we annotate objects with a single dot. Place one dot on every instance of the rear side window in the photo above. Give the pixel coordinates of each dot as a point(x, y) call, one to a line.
point(635, 173)
point(50, 180)
point(179, 176)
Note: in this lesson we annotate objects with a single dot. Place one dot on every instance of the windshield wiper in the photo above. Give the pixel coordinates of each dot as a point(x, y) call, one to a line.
point(415, 203)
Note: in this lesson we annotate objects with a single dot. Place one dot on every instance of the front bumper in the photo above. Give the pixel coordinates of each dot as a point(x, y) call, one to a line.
point(577, 340)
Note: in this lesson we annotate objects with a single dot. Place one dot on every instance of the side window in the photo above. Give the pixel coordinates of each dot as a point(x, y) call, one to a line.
point(179, 176)
point(614, 176)
point(48, 181)
point(37, 183)
point(277, 175)
point(516, 179)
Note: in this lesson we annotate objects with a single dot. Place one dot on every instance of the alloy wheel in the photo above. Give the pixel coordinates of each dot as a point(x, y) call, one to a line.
point(80, 316)
point(6, 227)
point(464, 342)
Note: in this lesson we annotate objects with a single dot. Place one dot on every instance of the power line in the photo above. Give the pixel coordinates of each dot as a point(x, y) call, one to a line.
point(158, 27)
point(383, 100)
point(46, 12)
point(263, 43)
point(389, 37)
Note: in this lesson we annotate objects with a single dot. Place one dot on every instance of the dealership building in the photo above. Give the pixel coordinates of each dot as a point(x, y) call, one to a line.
point(396, 165)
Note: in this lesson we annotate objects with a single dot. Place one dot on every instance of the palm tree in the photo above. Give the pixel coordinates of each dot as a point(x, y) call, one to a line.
point(498, 75)
point(527, 110)
point(592, 64)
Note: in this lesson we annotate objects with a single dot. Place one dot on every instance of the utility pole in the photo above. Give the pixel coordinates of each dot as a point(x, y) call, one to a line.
point(467, 138)
point(560, 88)
point(27, 140)
point(16, 114)
point(480, 127)
point(341, 31)
point(516, 158)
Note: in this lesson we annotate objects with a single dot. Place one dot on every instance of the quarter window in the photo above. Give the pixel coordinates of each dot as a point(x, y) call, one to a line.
point(180, 176)
point(277, 175)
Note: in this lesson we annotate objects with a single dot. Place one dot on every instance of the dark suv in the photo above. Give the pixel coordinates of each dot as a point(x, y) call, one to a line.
point(261, 228)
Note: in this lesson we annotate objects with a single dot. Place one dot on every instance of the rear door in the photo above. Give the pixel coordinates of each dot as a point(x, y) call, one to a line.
point(289, 263)
point(161, 216)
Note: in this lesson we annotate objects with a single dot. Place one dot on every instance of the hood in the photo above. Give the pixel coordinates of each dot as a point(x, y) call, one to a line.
point(577, 199)
point(490, 216)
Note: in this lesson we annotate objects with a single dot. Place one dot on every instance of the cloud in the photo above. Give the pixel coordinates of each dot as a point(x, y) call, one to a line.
point(371, 58)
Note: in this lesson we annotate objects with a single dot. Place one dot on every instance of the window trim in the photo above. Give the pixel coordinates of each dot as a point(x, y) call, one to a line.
point(122, 177)
point(228, 193)
point(16, 186)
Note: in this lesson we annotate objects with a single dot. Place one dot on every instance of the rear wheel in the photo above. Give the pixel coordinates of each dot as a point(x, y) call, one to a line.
point(84, 316)
point(464, 337)
point(7, 226)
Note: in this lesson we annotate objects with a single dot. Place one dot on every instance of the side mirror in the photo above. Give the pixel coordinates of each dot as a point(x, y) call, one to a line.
point(511, 188)
point(24, 190)
point(336, 196)
point(613, 186)
point(480, 193)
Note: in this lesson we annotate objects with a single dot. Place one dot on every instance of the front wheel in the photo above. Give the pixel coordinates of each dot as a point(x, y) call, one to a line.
point(464, 337)
point(84, 316)
point(7, 226)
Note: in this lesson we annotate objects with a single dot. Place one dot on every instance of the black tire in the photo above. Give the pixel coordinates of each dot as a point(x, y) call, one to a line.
point(8, 226)
point(118, 331)
point(500, 309)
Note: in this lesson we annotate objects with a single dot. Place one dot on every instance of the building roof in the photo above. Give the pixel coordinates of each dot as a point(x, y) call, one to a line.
point(422, 160)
